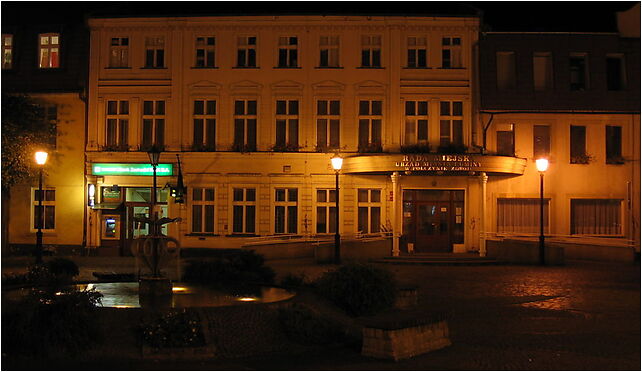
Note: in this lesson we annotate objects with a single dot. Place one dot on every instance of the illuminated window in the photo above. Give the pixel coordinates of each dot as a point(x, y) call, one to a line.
point(326, 211)
point(117, 126)
point(119, 52)
point(520, 215)
point(204, 119)
point(370, 118)
point(153, 124)
point(614, 145)
point(541, 141)
point(417, 52)
point(370, 50)
point(245, 117)
point(451, 127)
point(7, 51)
point(416, 127)
point(49, 50)
point(329, 51)
point(506, 73)
point(48, 221)
point(205, 51)
point(578, 66)
point(578, 145)
point(596, 216)
point(542, 71)
point(154, 52)
point(285, 211)
point(287, 125)
point(203, 210)
point(451, 52)
point(288, 51)
point(244, 211)
point(615, 72)
point(369, 210)
point(328, 122)
point(246, 51)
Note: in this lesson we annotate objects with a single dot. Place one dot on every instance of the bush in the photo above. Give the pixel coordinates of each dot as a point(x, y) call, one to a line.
point(238, 267)
point(174, 329)
point(50, 323)
point(62, 268)
point(293, 280)
point(358, 289)
point(307, 326)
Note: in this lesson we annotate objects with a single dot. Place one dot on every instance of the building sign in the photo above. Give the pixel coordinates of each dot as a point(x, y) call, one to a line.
point(119, 169)
point(440, 163)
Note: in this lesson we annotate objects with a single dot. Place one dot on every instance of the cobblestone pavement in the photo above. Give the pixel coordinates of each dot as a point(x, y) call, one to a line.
point(581, 316)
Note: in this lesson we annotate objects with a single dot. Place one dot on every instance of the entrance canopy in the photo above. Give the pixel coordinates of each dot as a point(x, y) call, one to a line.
point(434, 164)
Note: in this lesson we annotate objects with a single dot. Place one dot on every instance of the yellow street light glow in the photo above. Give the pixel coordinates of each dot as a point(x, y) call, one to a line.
point(337, 162)
point(248, 299)
point(179, 289)
point(542, 164)
point(41, 157)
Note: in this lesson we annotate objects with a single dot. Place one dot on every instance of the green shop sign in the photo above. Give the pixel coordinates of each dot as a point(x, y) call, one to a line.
point(118, 169)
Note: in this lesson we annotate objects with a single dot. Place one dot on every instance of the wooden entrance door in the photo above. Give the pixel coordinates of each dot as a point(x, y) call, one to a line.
point(433, 227)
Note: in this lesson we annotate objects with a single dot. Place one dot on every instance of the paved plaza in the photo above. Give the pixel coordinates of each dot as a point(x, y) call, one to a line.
point(580, 316)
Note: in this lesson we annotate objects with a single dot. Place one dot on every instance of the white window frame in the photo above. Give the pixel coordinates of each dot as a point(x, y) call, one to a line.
point(285, 45)
point(454, 50)
point(286, 203)
point(155, 44)
point(371, 45)
point(370, 117)
point(208, 118)
point(412, 121)
point(328, 117)
point(243, 44)
point(7, 51)
point(246, 116)
point(290, 119)
point(328, 205)
point(158, 119)
point(45, 204)
point(244, 204)
point(119, 52)
point(48, 46)
point(203, 202)
point(451, 118)
point(122, 124)
point(369, 205)
point(202, 42)
point(416, 44)
point(331, 45)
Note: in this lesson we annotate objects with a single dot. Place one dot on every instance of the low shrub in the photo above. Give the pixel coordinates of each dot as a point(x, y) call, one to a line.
point(359, 289)
point(51, 323)
point(293, 280)
point(307, 326)
point(172, 330)
point(62, 268)
point(238, 267)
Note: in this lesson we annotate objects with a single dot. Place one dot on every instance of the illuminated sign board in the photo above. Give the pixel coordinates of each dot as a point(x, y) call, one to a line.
point(119, 169)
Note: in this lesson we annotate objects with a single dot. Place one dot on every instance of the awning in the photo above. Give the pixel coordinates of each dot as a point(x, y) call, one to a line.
point(107, 206)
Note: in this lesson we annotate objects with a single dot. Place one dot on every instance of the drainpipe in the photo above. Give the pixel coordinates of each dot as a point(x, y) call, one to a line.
point(482, 233)
point(396, 233)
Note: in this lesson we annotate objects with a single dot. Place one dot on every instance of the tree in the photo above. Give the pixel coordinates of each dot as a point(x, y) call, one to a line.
point(23, 131)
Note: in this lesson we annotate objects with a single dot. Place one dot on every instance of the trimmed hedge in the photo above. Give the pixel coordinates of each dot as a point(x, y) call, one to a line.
point(234, 268)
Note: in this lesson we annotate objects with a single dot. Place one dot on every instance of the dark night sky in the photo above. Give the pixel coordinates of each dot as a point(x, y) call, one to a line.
point(573, 16)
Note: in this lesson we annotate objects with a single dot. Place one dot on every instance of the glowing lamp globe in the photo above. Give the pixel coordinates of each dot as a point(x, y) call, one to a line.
point(41, 157)
point(337, 162)
point(542, 164)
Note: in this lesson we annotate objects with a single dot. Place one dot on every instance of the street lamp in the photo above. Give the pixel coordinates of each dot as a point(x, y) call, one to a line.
point(337, 162)
point(41, 159)
point(154, 156)
point(542, 166)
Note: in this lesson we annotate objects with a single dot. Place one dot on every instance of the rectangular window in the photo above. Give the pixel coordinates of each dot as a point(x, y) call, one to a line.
point(244, 211)
point(246, 51)
point(329, 51)
point(370, 118)
point(288, 52)
point(204, 119)
point(7, 51)
point(369, 210)
point(614, 145)
point(153, 124)
point(371, 51)
point(542, 71)
point(417, 52)
point(326, 211)
point(328, 121)
point(49, 50)
point(203, 208)
point(506, 140)
point(245, 117)
point(596, 216)
point(416, 124)
point(287, 125)
point(578, 145)
point(615, 76)
point(155, 52)
point(119, 52)
point(117, 126)
point(44, 217)
point(578, 69)
point(521, 215)
point(205, 51)
point(451, 127)
point(451, 52)
point(541, 141)
point(285, 211)
point(506, 73)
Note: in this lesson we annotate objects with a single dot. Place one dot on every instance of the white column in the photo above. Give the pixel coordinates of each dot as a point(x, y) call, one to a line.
point(396, 218)
point(482, 233)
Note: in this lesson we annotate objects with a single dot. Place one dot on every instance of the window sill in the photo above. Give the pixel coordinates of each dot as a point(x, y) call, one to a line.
point(204, 68)
point(286, 68)
point(451, 68)
point(370, 68)
point(417, 68)
point(246, 67)
point(329, 68)
point(118, 68)
point(241, 235)
point(202, 235)
point(153, 68)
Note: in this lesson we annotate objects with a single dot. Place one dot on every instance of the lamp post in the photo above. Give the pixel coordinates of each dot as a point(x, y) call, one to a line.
point(337, 162)
point(154, 156)
point(542, 166)
point(41, 159)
